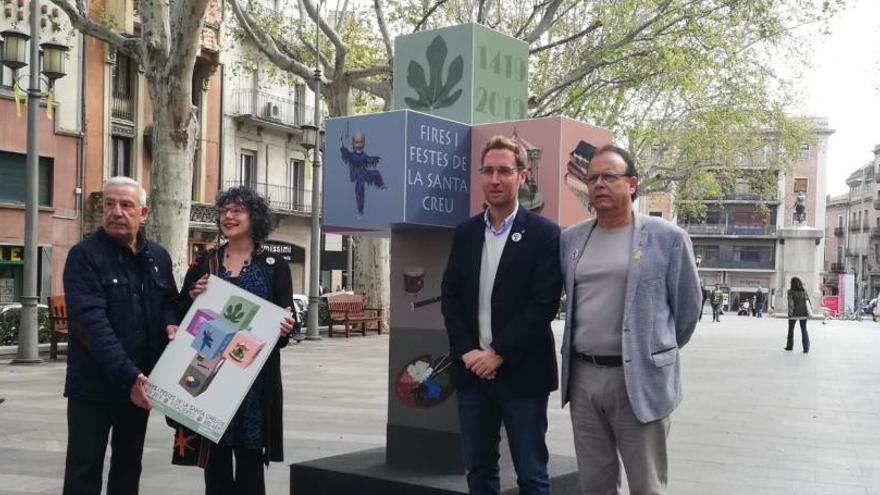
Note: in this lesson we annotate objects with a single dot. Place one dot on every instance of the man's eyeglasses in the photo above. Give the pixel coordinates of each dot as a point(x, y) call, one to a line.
point(236, 211)
point(607, 177)
point(501, 171)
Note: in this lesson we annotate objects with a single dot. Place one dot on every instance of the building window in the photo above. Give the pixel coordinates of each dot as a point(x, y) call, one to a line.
point(840, 221)
point(656, 214)
point(13, 187)
point(247, 173)
point(839, 254)
point(800, 185)
point(805, 151)
point(123, 88)
point(297, 181)
point(120, 156)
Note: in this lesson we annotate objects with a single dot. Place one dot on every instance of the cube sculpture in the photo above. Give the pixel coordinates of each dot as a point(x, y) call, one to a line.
point(396, 168)
point(239, 312)
point(467, 73)
point(201, 317)
point(558, 149)
point(243, 349)
point(212, 339)
point(199, 374)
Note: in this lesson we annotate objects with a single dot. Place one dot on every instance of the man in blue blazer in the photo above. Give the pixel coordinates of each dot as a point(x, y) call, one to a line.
point(500, 292)
point(633, 300)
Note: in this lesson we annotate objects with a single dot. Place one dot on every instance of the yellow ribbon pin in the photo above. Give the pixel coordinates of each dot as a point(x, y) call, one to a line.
point(638, 256)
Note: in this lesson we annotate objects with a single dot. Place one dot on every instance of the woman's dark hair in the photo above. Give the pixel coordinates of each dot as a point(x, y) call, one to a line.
point(796, 284)
point(257, 206)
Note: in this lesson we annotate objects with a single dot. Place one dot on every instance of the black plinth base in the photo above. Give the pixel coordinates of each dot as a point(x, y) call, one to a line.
point(365, 473)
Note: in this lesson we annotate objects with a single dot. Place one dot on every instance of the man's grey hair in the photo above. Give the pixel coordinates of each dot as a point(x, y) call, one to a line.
point(121, 180)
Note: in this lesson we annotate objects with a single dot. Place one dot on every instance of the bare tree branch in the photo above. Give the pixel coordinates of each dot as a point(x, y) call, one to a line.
point(338, 44)
point(428, 13)
point(185, 34)
point(589, 29)
point(376, 70)
point(383, 27)
point(267, 45)
point(544, 24)
point(79, 18)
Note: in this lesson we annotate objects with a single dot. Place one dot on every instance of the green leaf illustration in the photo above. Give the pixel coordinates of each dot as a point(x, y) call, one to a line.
point(436, 93)
point(233, 313)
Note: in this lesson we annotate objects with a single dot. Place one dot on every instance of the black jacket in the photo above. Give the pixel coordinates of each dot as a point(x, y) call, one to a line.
point(281, 295)
point(114, 336)
point(525, 299)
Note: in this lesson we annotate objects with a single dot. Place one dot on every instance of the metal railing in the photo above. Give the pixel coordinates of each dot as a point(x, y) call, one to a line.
point(281, 198)
point(265, 106)
point(838, 231)
point(838, 268)
point(122, 106)
point(731, 263)
point(729, 229)
point(875, 232)
point(855, 227)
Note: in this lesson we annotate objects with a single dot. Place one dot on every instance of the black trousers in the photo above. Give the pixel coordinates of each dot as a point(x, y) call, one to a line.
point(249, 474)
point(805, 337)
point(89, 424)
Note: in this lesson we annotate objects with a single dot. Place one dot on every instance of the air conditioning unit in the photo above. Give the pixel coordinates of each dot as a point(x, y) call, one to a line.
point(271, 111)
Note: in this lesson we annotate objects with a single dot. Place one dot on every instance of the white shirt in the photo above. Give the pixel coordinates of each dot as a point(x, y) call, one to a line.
point(493, 246)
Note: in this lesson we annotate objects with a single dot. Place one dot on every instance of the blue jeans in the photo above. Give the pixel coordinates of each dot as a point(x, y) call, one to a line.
point(481, 410)
point(716, 312)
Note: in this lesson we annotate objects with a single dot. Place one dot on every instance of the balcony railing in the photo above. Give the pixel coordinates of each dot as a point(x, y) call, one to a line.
point(265, 106)
point(732, 263)
point(855, 227)
point(877, 204)
point(854, 252)
point(281, 198)
point(875, 232)
point(838, 231)
point(838, 268)
point(729, 229)
point(122, 106)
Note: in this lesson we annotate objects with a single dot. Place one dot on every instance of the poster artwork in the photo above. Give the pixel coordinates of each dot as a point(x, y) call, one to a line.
point(220, 347)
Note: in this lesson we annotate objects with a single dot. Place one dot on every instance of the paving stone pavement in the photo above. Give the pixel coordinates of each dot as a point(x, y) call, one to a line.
point(755, 420)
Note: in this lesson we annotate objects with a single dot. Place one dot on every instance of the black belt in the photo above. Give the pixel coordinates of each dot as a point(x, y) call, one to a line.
point(606, 361)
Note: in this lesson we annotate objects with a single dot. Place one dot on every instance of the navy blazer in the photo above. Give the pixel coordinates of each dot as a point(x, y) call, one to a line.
point(525, 299)
point(105, 352)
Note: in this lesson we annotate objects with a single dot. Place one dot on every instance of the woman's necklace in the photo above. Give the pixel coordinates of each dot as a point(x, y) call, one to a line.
point(227, 257)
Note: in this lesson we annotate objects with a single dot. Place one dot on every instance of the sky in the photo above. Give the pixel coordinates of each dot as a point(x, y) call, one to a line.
point(843, 84)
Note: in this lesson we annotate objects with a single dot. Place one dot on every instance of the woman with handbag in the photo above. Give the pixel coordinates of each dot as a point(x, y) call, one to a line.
point(254, 436)
point(798, 310)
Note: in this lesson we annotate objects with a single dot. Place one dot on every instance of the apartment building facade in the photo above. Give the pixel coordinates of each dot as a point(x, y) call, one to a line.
point(60, 154)
point(737, 244)
point(853, 231)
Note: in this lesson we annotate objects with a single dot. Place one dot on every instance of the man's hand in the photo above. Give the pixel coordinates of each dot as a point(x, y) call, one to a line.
point(138, 395)
point(171, 331)
point(483, 363)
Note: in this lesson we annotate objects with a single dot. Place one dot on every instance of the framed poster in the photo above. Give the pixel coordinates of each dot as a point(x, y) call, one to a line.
point(220, 347)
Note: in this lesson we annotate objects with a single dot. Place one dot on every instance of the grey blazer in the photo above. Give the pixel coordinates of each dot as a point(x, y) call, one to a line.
point(661, 310)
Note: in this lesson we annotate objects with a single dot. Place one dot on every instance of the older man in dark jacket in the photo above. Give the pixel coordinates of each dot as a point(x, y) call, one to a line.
point(120, 300)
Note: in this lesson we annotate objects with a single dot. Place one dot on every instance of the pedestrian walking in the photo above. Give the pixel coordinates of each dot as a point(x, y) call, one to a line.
point(716, 299)
point(798, 311)
point(759, 302)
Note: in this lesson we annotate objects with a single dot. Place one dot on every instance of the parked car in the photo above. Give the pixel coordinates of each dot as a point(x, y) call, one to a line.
point(302, 308)
point(10, 322)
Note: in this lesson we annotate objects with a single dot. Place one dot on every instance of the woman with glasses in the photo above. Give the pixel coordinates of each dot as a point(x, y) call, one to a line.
point(254, 436)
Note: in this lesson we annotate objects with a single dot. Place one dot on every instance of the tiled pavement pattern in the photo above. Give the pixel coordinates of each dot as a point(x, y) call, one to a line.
point(755, 420)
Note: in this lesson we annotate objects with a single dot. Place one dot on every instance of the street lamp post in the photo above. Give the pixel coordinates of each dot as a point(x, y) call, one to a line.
point(52, 68)
point(312, 140)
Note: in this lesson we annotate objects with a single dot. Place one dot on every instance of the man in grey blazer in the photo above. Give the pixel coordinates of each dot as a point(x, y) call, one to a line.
point(633, 300)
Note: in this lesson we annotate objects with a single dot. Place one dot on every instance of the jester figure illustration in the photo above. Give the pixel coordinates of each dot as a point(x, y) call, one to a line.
point(362, 168)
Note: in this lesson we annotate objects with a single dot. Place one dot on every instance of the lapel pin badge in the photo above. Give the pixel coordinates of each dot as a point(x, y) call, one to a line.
point(638, 255)
point(516, 237)
point(574, 254)
point(270, 261)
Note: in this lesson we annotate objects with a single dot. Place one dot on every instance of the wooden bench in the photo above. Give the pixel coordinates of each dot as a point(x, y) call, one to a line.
point(58, 323)
point(349, 311)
